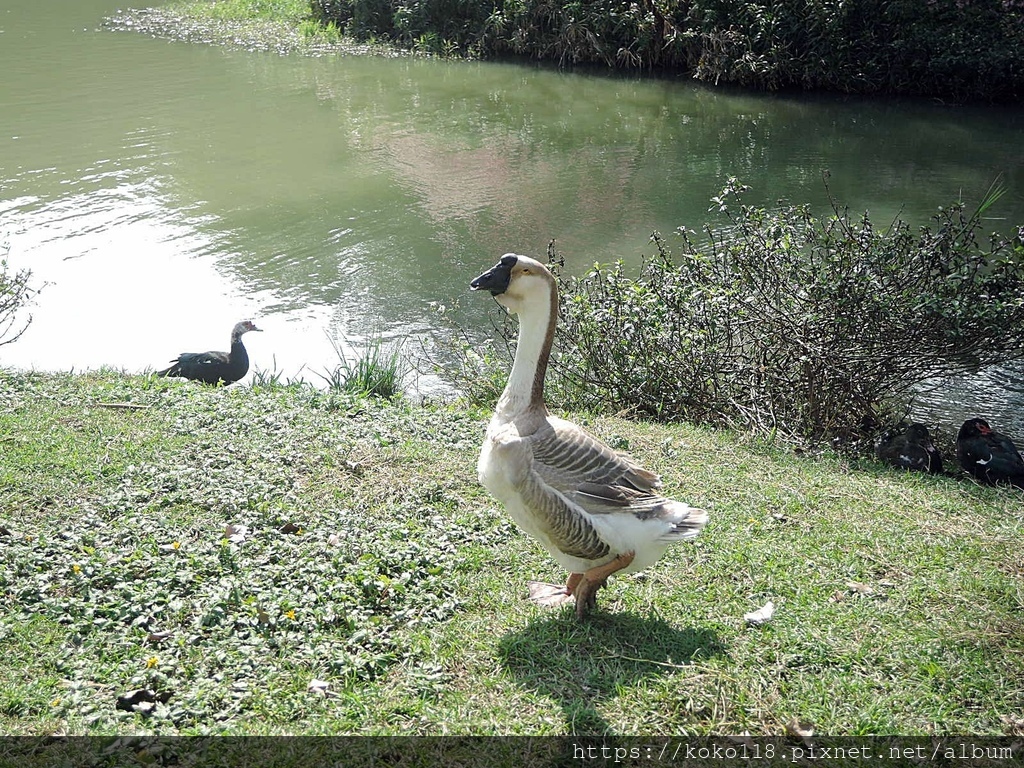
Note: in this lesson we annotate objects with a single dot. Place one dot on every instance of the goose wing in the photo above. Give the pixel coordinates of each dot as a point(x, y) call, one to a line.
point(973, 452)
point(198, 366)
point(577, 495)
point(568, 458)
point(587, 486)
point(577, 464)
point(908, 455)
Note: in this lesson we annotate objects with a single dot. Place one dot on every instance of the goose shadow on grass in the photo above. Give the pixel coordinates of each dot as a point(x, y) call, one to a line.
point(581, 664)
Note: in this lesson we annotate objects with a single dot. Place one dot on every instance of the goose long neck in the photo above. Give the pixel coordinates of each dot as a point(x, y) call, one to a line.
point(525, 387)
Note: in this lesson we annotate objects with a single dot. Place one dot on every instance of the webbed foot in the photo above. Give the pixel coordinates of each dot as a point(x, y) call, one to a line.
point(550, 595)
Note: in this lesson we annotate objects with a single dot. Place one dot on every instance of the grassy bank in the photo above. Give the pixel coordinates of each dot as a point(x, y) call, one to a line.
point(285, 560)
point(279, 26)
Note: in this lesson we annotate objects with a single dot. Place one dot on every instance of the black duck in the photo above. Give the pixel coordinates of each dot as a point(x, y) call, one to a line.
point(215, 367)
point(989, 456)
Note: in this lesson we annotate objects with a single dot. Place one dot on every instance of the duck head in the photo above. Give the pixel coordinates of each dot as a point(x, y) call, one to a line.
point(517, 283)
point(243, 327)
point(919, 435)
point(973, 428)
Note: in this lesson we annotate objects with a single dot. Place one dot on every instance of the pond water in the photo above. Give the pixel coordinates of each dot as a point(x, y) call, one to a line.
point(164, 190)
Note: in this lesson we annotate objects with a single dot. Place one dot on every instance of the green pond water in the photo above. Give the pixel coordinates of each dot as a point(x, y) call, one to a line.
point(164, 190)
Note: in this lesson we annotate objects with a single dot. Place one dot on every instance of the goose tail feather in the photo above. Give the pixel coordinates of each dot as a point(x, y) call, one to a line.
point(687, 521)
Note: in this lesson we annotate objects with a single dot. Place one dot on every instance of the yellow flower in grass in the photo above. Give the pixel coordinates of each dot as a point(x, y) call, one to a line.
point(151, 662)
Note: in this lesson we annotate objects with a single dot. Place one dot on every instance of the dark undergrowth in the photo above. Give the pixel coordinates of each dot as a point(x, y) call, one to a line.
point(952, 51)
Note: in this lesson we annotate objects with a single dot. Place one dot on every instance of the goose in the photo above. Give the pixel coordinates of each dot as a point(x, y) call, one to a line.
point(214, 367)
point(989, 456)
point(593, 509)
point(911, 449)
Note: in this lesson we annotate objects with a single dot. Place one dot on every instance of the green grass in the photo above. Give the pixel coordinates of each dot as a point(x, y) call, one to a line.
point(283, 26)
point(237, 10)
point(374, 562)
point(379, 370)
point(279, 26)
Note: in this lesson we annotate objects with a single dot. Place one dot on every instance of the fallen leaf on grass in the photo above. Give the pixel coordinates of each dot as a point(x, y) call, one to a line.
point(289, 528)
point(803, 731)
point(159, 637)
point(1013, 726)
point(762, 615)
point(236, 532)
point(318, 686)
point(334, 540)
point(859, 588)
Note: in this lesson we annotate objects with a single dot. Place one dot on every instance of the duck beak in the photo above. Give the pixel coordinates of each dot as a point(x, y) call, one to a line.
point(495, 279)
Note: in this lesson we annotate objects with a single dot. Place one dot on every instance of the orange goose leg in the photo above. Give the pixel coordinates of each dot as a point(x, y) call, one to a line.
point(583, 585)
point(594, 579)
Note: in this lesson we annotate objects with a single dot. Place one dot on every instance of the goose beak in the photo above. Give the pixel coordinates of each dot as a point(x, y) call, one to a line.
point(495, 279)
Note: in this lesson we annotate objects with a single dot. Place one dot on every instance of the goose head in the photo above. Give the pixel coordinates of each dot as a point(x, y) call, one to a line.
point(518, 283)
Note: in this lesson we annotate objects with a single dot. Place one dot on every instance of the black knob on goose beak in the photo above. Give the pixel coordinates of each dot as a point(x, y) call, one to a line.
point(496, 279)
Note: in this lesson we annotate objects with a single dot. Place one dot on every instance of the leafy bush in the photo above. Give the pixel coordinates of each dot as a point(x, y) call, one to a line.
point(782, 322)
point(15, 293)
point(955, 51)
point(435, 26)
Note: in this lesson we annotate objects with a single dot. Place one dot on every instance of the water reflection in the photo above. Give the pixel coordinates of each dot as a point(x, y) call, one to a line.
point(167, 190)
point(996, 394)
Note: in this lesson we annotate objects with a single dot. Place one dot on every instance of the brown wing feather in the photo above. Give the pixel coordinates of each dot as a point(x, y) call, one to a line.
point(576, 463)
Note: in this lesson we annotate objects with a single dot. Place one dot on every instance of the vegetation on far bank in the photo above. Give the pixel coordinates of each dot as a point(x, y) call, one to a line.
point(281, 559)
point(281, 27)
point(950, 51)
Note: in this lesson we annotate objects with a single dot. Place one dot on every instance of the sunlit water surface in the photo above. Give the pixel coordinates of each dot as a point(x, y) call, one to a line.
point(162, 191)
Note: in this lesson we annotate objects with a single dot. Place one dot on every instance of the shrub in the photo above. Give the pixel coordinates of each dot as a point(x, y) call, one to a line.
point(778, 321)
point(434, 26)
point(15, 293)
